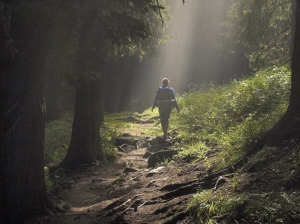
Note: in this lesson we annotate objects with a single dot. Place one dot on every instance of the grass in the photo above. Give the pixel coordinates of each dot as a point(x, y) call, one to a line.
point(57, 139)
point(210, 206)
point(275, 207)
point(193, 150)
point(233, 116)
point(118, 121)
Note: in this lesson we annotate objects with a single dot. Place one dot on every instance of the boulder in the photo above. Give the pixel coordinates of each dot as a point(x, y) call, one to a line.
point(159, 157)
point(129, 140)
point(147, 154)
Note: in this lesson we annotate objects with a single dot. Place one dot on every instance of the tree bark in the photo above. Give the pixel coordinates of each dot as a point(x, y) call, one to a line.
point(85, 146)
point(22, 186)
point(288, 127)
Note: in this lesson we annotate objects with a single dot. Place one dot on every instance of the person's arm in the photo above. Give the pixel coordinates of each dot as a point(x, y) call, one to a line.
point(153, 106)
point(174, 97)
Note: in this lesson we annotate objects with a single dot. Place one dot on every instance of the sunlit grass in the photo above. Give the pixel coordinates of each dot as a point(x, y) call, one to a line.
point(153, 131)
point(194, 150)
point(275, 207)
point(208, 206)
point(233, 116)
point(119, 121)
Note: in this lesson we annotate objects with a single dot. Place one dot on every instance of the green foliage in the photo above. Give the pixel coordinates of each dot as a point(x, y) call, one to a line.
point(108, 136)
point(289, 165)
point(110, 29)
point(273, 208)
point(118, 122)
point(57, 139)
point(294, 149)
point(208, 205)
point(233, 116)
point(263, 28)
point(193, 150)
point(211, 206)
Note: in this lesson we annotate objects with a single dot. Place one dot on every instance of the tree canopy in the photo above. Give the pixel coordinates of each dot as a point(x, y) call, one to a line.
point(264, 28)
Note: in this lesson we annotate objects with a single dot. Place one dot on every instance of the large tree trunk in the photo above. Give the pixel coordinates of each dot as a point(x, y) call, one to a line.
point(289, 126)
point(85, 145)
point(22, 186)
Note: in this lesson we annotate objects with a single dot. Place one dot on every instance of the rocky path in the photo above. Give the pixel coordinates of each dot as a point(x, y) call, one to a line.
point(143, 186)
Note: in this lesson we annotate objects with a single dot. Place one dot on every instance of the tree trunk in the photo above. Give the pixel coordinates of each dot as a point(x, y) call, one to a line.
point(289, 126)
point(22, 186)
point(85, 145)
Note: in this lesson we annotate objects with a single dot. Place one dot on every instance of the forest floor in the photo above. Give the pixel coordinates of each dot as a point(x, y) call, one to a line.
point(141, 186)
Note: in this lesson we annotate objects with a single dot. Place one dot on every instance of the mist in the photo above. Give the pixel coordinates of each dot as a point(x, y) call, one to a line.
point(190, 57)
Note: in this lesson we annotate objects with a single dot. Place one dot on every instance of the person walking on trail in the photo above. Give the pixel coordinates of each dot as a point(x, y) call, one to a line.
point(165, 100)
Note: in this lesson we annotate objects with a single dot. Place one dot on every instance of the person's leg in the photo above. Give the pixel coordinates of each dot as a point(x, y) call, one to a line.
point(165, 127)
point(164, 120)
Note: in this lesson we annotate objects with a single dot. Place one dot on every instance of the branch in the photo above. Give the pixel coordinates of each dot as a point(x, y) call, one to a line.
point(162, 21)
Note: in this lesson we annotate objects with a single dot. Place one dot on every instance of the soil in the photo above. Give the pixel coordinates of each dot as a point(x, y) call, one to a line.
point(128, 191)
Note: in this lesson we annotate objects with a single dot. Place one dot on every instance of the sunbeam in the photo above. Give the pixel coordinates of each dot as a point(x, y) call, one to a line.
point(192, 56)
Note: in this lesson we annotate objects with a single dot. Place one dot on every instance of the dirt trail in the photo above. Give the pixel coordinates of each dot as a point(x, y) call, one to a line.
point(128, 191)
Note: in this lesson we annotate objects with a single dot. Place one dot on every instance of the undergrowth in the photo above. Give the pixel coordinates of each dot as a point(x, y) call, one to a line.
point(233, 116)
point(57, 139)
point(216, 207)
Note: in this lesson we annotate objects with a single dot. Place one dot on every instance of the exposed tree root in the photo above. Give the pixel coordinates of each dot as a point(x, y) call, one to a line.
point(133, 202)
point(172, 187)
point(184, 190)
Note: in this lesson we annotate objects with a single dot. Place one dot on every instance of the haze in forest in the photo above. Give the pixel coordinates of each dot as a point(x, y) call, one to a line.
point(192, 56)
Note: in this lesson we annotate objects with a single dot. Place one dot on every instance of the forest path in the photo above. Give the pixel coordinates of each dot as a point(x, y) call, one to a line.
point(128, 191)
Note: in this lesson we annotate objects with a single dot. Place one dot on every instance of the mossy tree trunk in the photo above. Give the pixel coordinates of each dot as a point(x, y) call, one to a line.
point(22, 124)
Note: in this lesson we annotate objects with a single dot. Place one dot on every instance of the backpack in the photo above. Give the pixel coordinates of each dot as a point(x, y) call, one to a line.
point(165, 98)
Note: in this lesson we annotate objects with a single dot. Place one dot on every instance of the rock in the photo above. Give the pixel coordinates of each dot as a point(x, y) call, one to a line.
point(150, 183)
point(129, 140)
point(147, 154)
point(158, 141)
point(129, 170)
point(161, 156)
point(155, 171)
point(143, 144)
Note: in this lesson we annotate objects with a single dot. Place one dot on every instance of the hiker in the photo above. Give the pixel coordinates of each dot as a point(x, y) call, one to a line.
point(165, 100)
